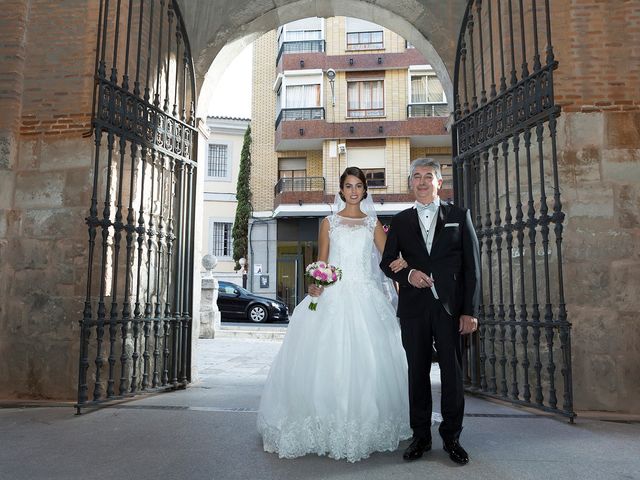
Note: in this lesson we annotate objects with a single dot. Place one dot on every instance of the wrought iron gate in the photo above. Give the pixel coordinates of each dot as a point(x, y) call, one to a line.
point(136, 324)
point(505, 161)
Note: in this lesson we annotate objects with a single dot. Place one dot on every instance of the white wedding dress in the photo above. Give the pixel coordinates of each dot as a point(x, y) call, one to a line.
point(338, 385)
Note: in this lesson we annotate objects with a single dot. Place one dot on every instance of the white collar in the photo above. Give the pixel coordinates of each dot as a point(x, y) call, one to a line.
point(436, 203)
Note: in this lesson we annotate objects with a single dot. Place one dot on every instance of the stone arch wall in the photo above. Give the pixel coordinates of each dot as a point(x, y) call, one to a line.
point(46, 88)
point(431, 26)
point(598, 88)
point(45, 167)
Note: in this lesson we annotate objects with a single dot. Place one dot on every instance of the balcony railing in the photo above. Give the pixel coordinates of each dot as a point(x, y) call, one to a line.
point(301, 46)
point(299, 184)
point(427, 110)
point(310, 113)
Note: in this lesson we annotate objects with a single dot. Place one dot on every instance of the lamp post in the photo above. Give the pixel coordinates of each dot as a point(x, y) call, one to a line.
point(331, 75)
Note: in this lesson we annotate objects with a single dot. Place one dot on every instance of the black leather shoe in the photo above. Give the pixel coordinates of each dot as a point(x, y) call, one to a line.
point(417, 448)
point(456, 452)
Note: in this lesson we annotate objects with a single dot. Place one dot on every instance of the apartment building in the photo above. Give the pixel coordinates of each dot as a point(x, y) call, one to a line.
point(327, 94)
point(224, 146)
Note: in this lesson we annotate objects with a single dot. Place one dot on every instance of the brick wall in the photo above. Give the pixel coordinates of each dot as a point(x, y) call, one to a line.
point(596, 44)
point(59, 77)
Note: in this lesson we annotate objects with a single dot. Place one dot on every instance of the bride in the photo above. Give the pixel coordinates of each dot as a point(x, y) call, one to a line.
point(338, 385)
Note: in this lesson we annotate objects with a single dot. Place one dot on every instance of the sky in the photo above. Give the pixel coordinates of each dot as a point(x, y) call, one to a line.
point(232, 95)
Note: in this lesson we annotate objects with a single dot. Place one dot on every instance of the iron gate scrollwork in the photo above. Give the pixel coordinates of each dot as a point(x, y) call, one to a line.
point(136, 324)
point(505, 161)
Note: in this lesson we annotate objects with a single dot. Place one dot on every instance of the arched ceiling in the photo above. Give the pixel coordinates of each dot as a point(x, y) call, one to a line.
point(432, 26)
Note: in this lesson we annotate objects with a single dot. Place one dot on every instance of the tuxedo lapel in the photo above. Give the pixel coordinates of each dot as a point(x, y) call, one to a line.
point(443, 211)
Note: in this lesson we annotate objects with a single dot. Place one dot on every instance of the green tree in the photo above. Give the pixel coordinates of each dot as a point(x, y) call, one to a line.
point(243, 195)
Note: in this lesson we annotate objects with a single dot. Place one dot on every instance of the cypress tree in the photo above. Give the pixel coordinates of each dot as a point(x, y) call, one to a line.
point(243, 196)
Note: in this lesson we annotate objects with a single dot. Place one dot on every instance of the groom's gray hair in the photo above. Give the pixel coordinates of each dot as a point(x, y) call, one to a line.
point(426, 162)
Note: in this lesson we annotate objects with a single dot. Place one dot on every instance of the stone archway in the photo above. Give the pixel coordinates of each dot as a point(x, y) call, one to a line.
point(45, 164)
point(141, 314)
point(432, 27)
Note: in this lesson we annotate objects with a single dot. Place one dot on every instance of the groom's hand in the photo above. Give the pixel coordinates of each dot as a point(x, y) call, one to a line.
point(468, 324)
point(420, 279)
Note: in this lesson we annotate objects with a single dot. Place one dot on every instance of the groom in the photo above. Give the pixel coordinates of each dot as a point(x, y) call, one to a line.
point(439, 292)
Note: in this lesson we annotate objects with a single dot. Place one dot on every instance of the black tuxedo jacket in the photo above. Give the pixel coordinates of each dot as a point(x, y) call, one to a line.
point(454, 261)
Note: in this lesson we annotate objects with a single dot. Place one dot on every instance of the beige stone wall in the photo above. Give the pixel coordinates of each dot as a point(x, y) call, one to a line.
point(264, 161)
point(45, 189)
point(599, 161)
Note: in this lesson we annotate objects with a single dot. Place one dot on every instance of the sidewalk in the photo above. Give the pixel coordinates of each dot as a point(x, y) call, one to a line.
point(208, 432)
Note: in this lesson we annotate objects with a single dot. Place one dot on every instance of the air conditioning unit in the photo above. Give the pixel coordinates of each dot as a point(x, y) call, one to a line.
point(342, 148)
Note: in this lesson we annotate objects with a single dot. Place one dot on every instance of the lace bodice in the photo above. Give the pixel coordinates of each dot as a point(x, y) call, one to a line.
point(351, 246)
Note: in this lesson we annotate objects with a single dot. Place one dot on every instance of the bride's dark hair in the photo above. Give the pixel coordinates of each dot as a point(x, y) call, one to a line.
point(356, 172)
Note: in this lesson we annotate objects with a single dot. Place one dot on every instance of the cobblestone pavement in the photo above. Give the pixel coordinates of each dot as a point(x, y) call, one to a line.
point(208, 432)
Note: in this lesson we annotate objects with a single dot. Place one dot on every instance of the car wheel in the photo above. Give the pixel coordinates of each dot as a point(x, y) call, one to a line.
point(258, 314)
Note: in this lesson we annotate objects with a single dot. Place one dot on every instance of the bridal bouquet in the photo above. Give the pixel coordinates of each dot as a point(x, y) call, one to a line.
point(322, 273)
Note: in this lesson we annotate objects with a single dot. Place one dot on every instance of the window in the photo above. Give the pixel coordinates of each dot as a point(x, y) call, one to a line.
point(363, 35)
point(228, 289)
point(218, 161)
point(365, 41)
point(301, 96)
point(306, 35)
point(221, 239)
point(371, 160)
point(365, 98)
point(294, 171)
point(375, 177)
point(426, 88)
point(301, 30)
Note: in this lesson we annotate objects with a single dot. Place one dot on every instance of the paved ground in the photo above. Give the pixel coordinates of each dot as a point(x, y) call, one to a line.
point(208, 432)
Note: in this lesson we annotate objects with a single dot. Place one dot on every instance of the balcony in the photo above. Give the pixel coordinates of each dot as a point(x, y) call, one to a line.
point(310, 135)
point(311, 113)
point(299, 184)
point(301, 46)
point(298, 191)
point(418, 110)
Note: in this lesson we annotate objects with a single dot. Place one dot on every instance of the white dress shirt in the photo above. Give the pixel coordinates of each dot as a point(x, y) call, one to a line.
point(427, 214)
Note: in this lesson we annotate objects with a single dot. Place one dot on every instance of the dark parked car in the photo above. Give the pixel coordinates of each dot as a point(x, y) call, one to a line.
point(235, 302)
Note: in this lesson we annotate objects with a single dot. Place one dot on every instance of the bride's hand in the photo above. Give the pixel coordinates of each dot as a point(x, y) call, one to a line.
point(315, 290)
point(398, 264)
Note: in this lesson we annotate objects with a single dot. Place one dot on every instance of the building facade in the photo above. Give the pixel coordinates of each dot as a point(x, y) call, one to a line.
point(328, 94)
point(223, 149)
